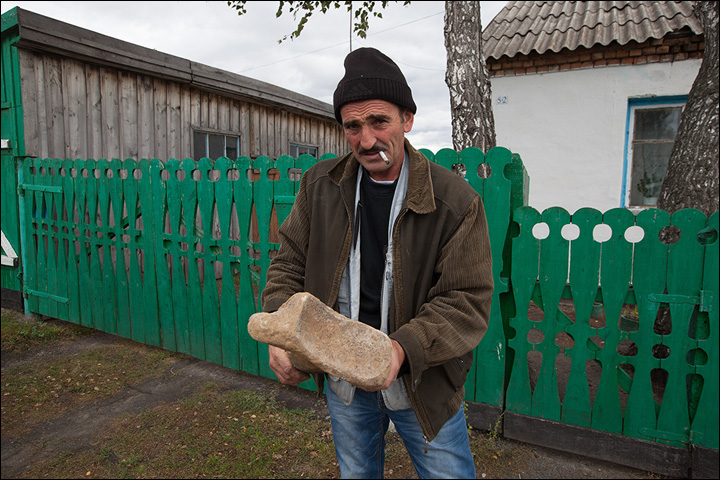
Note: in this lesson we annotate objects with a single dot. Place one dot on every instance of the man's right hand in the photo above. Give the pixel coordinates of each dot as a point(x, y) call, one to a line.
point(285, 371)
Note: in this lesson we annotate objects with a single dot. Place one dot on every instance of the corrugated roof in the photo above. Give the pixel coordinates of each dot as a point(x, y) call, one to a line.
point(523, 27)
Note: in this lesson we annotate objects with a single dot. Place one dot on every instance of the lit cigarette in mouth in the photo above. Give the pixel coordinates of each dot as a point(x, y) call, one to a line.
point(384, 157)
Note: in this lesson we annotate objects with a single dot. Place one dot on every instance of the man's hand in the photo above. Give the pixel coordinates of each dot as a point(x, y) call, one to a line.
point(398, 358)
point(285, 371)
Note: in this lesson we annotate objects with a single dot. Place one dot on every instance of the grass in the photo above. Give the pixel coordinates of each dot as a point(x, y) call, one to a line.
point(215, 432)
point(20, 332)
point(38, 391)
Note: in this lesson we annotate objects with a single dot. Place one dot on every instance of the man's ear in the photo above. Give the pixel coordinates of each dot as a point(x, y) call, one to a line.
point(408, 120)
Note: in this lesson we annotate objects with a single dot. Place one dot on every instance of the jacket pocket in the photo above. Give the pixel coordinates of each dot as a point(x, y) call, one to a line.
point(457, 370)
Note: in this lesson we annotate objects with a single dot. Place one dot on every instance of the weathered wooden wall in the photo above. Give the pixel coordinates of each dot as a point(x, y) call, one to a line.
point(74, 109)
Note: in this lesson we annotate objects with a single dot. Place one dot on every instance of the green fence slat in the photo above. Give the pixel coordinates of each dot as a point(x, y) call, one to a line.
point(104, 243)
point(304, 162)
point(553, 275)
point(263, 201)
point(428, 154)
point(27, 216)
point(211, 315)
point(705, 425)
point(473, 157)
point(96, 265)
point(72, 279)
point(685, 265)
point(649, 272)
point(486, 380)
point(134, 233)
point(243, 197)
point(284, 187)
point(106, 292)
point(584, 280)
point(118, 242)
point(616, 270)
point(193, 287)
point(42, 216)
point(447, 157)
point(228, 302)
point(525, 269)
point(159, 211)
point(48, 275)
point(58, 250)
point(152, 215)
point(83, 245)
point(172, 286)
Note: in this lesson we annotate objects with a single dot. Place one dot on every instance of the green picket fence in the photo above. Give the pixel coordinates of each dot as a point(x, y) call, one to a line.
point(656, 373)
point(174, 254)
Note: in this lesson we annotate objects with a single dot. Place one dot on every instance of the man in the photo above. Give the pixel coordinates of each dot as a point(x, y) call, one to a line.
point(389, 239)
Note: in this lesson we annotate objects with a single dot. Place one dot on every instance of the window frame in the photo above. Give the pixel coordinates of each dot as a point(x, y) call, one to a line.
point(207, 132)
point(302, 145)
point(635, 104)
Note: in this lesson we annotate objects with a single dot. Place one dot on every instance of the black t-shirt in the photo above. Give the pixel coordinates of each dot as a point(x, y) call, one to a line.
point(375, 204)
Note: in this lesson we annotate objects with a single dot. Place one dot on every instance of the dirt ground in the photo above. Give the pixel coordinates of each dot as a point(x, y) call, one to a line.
point(78, 429)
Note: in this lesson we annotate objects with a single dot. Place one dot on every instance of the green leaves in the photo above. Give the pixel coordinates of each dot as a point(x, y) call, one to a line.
point(307, 8)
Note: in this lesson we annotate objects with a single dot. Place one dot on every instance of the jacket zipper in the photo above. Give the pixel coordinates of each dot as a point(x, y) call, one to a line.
point(391, 319)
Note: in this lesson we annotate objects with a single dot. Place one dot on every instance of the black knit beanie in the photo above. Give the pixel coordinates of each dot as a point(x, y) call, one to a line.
point(370, 75)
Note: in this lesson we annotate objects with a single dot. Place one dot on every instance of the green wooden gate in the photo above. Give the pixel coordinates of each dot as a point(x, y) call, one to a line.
point(12, 146)
point(175, 254)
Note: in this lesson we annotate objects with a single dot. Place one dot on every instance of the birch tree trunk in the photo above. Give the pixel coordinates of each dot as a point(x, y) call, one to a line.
point(691, 180)
point(473, 123)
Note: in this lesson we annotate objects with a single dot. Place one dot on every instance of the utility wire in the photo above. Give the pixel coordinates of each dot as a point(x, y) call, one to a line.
point(407, 64)
point(343, 43)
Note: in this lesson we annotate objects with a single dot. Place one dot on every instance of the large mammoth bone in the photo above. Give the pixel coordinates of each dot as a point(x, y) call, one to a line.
point(321, 340)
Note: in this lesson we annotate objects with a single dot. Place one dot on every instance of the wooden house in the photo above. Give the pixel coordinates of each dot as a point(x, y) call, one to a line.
point(68, 92)
point(87, 95)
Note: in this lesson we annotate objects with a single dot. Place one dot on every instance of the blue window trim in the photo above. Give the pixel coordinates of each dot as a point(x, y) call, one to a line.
point(640, 102)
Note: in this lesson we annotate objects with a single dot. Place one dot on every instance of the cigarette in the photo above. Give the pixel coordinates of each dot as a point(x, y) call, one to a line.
point(384, 157)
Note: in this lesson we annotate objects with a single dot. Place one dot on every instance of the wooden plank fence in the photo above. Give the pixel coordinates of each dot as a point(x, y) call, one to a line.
point(174, 254)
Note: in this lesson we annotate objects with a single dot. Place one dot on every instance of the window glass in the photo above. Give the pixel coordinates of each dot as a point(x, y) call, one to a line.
point(232, 147)
point(657, 123)
point(199, 145)
point(653, 135)
point(216, 146)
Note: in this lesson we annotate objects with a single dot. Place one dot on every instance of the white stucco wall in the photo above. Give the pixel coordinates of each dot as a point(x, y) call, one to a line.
point(569, 127)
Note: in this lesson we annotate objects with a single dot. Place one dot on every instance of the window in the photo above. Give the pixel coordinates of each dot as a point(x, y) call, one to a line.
point(296, 150)
point(652, 126)
point(215, 145)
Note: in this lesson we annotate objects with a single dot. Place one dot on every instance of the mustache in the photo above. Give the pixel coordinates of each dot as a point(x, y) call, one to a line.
point(378, 147)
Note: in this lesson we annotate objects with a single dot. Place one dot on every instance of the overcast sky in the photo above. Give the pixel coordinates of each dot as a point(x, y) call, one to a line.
point(213, 34)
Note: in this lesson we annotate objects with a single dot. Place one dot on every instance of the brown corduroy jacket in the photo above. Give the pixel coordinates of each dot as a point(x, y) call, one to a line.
point(442, 276)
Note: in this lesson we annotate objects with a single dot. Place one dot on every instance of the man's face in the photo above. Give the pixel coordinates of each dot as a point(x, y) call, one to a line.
point(372, 126)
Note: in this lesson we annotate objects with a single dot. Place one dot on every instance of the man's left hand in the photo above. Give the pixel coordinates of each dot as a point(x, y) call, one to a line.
point(398, 358)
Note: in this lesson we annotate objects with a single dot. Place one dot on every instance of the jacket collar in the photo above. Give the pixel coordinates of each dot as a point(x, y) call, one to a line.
point(420, 197)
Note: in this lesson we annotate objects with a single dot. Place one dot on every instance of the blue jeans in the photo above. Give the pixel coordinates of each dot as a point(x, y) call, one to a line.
point(359, 434)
